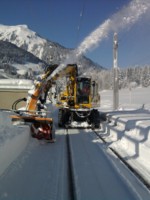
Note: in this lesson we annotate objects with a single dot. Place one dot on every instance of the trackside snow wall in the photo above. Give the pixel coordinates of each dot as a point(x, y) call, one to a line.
point(13, 140)
point(129, 135)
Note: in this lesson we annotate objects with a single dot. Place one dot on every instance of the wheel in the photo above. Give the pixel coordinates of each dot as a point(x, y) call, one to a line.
point(63, 117)
point(95, 119)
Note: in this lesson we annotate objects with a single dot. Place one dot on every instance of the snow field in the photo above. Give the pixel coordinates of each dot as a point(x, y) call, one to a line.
point(13, 140)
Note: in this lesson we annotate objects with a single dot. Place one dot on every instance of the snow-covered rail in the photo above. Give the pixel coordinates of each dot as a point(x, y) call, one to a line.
point(94, 174)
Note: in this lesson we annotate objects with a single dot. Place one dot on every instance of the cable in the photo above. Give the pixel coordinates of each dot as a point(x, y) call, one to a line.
point(80, 20)
point(14, 105)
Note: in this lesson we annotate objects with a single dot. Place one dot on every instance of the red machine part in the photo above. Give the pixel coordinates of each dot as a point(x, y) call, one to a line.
point(42, 131)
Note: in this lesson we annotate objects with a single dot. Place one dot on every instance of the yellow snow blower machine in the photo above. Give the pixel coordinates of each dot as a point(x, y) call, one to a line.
point(77, 104)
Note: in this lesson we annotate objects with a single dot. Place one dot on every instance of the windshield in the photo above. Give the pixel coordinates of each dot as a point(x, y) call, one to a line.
point(83, 90)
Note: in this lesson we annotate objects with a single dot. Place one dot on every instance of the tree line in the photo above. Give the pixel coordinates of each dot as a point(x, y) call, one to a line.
point(128, 77)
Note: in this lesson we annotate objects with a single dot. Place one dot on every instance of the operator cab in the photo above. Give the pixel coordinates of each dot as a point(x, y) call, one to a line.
point(83, 90)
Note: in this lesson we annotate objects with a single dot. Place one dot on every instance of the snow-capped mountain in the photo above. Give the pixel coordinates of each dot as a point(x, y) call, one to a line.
point(50, 52)
point(21, 36)
point(16, 62)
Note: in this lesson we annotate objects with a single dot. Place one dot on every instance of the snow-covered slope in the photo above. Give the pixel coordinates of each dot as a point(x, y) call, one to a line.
point(24, 38)
point(10, 53)
point(16, 62)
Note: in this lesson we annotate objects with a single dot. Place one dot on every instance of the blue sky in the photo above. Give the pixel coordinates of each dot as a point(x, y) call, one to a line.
point(58, 21)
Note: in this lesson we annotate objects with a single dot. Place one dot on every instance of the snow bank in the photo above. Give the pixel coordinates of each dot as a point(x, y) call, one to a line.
point(13, 140)
point(129, 134)
point(16, 83)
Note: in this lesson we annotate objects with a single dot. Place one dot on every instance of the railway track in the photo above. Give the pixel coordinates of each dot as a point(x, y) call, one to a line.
point(72, 187)
point(75, 167)
point(144, 182)
point(92, 175)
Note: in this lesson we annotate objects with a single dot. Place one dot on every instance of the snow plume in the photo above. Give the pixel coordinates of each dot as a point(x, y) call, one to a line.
point(124, 18)
point(94, 38)
point(130, 14)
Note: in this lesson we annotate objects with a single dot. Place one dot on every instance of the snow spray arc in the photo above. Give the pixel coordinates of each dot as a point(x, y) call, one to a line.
point(126, 17)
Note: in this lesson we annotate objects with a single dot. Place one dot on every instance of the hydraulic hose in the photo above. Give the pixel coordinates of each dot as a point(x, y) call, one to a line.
point(14, 105)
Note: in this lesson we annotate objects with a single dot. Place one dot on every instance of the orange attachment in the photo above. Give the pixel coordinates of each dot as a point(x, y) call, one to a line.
point(32, 118)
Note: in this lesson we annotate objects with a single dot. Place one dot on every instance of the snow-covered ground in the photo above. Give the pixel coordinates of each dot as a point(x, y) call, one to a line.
point(16, 84)
point(127, 132)
point(130, 98)
point(13, 140)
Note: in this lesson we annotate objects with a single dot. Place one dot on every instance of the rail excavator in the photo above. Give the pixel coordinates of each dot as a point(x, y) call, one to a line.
point(76, 104)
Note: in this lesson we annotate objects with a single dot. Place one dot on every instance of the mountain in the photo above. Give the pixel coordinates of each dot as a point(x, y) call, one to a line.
point(48, 51)
point(13, 54)
point(16, 62)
